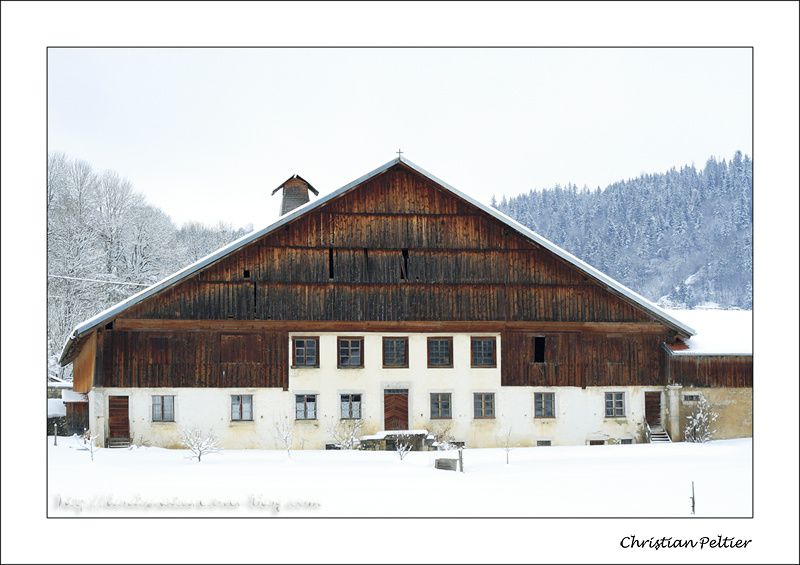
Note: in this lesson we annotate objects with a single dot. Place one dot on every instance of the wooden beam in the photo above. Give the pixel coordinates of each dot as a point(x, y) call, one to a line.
point(381, 326)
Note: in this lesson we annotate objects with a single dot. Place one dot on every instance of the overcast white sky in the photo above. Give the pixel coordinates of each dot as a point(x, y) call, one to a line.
point(206, 134)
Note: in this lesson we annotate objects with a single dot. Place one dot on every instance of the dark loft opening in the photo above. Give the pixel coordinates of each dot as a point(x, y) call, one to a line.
point(538, 349)
point(330, 263)
point(110, 326)
point(404, 265)
point(247, 273)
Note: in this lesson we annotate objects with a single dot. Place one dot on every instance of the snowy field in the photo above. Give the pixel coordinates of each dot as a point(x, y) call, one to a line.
point(613, 480)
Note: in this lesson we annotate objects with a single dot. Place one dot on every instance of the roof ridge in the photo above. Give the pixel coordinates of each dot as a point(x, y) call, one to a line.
point(88, 324)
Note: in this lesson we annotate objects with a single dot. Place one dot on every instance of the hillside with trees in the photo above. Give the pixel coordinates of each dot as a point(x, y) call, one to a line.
point(682, 238)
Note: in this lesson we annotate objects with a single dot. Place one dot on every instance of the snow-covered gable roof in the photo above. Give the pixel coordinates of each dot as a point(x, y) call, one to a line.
point(72, 396)
point(719, 332)
point(109, 313)
point(55, 382)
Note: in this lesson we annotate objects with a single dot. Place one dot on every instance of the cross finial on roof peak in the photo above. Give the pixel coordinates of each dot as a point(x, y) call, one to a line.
point(399, 153)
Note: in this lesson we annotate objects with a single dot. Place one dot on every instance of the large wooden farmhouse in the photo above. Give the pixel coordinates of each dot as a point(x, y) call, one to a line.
point(403, 302)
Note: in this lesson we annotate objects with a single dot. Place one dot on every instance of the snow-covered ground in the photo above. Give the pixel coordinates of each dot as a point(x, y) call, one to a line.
point(613, 480)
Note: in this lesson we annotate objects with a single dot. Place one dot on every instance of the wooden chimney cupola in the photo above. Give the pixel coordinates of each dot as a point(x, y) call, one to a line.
point(295, 193)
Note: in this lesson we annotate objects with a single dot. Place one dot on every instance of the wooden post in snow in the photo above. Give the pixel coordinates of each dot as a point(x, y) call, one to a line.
point(692, 497)
point(55, 433)
point(461, 459)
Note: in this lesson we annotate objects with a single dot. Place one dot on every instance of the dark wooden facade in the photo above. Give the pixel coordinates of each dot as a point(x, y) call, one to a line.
point(711, 370)
point(396, 253)
point(584, 359)
point(194, 359)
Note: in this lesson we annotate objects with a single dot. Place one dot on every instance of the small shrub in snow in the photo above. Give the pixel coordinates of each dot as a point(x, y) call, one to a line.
point(89, 443)
point(140, 441)
point(345, 433)
point(442, 435)
point(403, 444)
point(200, 443)
point(507, 443)
point(699, 425)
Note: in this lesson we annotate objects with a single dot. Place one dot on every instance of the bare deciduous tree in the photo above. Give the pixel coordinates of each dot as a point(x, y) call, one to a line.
point(200, 443)
point(283, 433)
point(103, 240)
point(346, 433)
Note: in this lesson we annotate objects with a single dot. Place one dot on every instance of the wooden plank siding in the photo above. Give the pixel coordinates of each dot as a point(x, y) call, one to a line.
point(403, 251)
point(734, 371)
point(195, 359)
point(84, 364)
point(583, 359)
point(462, 265)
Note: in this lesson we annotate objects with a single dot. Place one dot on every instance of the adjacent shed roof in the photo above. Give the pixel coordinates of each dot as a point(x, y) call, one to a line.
point(718, 332)
point(72, 396)
point(55, 408)
point(109, 313)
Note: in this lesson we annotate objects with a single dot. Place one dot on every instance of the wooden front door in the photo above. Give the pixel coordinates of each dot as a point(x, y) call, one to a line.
point(395, 409)
point(652, 408)
point(118, 424)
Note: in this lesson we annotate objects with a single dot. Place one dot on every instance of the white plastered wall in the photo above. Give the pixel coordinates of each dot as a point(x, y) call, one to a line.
point(580, 414)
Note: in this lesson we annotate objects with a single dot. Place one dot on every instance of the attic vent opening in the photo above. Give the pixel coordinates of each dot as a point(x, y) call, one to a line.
point(246, 273)
point(330, 263)
point(538, 349)
point(110, 326)
point(404, 266)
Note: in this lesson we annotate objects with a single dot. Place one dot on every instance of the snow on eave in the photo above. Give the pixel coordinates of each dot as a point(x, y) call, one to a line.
point(88, 325)
point(690, 353)
point(70, 396)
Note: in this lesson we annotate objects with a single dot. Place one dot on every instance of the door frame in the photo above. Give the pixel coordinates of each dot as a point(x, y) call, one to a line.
point(128, 410)
point(660, 394)
point(384, 390)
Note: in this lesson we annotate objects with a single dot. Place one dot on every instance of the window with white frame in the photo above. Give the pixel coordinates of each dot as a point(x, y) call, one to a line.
point(305, 406)
point(242, 407)
point(350, 406)
point(615, 405)
point(163, 408)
